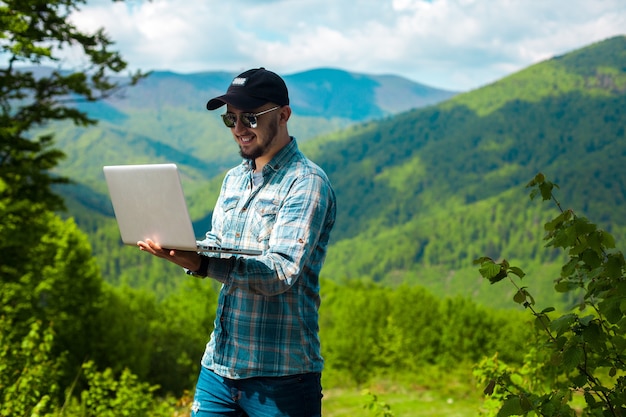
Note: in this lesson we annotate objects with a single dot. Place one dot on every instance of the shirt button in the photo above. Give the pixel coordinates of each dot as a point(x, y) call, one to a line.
point(238, 234)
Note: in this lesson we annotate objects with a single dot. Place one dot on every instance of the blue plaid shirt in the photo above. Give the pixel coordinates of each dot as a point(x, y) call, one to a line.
point(267, 315)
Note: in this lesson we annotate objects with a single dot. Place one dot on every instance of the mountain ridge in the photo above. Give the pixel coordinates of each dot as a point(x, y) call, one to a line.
point(314, 92)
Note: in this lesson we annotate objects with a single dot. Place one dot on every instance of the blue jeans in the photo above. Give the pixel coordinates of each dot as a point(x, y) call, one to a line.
point(287, 396)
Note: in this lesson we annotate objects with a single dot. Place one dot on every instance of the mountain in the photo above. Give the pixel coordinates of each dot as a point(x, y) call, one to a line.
point(164, 118)
point(328, 92)
point(424, 192)
point(565, 116)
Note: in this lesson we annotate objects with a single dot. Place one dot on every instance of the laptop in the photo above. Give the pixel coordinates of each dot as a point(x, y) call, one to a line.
point(149, 203)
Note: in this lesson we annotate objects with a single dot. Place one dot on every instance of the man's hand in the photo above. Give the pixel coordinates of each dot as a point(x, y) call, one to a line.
point(186, 259)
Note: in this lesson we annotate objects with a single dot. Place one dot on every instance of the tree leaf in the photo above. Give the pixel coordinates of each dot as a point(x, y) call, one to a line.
point(563, 323)
point(489, 270)
point(490, 387)
point(512, 406)
point(573, 356)
point(520, 296)
point(517, 271)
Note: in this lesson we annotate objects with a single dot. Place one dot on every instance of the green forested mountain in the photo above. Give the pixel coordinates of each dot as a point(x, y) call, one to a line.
point(421, 193)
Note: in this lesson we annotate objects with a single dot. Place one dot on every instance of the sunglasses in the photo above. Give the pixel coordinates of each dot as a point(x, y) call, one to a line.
point(247, 119)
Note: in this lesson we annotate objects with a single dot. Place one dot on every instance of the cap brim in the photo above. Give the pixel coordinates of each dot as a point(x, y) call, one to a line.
point(235, 100)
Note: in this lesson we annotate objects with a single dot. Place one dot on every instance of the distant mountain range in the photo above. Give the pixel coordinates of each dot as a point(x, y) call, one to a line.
point(426, 180)
point(164, 118)
point(323, 92)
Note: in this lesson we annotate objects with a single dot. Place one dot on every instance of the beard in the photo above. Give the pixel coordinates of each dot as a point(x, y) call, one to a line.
point(271, 132)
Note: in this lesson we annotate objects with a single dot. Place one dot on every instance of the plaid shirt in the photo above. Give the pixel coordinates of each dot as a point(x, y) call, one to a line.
point(267, 315)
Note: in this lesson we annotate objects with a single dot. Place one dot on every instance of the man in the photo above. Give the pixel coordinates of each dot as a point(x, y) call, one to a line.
point(263, 357)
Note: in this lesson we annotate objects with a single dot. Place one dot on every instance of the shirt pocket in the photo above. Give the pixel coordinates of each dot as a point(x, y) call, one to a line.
point(265, 213)
point(229, 213)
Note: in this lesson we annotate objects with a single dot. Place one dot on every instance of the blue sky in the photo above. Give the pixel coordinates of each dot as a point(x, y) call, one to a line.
point(451, 44)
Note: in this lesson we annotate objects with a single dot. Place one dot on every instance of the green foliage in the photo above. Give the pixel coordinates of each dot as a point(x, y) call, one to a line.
point(108, 396)
point(368, 330)
point(159, 340)
point(33, 32)
point(29, 371)
point(51, 286)
point(58, 286)
point(581, 352)
point(125, 325)
point(375, 406)
point(123, 330)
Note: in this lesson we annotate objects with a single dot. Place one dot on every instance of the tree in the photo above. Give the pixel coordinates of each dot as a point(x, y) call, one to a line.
point(34, 32)
point(49, 283)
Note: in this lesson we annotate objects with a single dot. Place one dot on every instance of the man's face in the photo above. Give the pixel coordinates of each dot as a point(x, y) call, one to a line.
point(256, 142)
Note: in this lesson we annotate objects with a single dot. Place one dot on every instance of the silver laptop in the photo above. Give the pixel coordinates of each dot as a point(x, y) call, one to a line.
point(149, 203)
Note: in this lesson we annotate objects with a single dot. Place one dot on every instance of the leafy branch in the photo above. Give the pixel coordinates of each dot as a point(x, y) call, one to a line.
point(584, 350)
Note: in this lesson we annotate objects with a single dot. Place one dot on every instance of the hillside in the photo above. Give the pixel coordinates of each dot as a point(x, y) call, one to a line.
point(429, 190)
point(465, 150)
point(424, 192)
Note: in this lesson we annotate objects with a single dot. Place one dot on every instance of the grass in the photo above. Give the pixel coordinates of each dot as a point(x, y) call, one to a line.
point(354, 402)
point(403, 396)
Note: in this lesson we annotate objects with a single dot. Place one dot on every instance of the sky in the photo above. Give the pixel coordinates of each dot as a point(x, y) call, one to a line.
point(456, 45)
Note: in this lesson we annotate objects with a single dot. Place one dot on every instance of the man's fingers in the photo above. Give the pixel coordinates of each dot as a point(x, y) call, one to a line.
point(154, 248)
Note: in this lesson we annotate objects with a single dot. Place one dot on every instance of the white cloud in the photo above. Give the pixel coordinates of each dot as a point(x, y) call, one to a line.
point(455, 44)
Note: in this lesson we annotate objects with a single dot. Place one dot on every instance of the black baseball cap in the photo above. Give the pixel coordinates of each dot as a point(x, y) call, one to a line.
point(252, 89)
